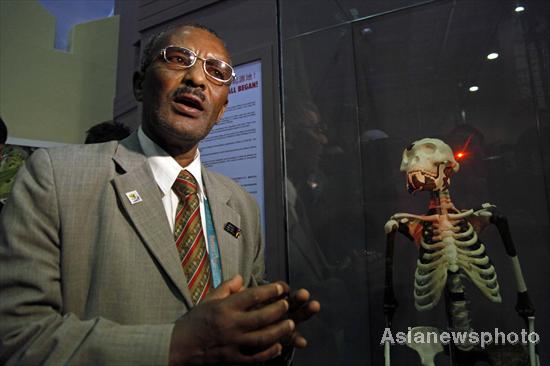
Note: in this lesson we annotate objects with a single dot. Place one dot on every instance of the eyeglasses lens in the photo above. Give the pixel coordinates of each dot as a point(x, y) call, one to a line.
point(179, 56)
point(218, 69)
point(183, 57)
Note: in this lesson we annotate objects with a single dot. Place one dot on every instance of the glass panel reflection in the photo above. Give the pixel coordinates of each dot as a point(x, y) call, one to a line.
point(474, 74)
point(324, 193)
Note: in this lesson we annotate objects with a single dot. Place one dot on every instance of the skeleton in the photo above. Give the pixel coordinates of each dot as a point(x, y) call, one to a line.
point(426, 350)
point(449, 246)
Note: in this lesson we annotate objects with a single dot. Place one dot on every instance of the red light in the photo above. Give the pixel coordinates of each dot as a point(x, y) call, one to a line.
point(460, 155)
point(464, 151)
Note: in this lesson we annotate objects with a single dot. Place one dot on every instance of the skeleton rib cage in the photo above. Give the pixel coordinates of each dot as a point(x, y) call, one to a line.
point(448, 243)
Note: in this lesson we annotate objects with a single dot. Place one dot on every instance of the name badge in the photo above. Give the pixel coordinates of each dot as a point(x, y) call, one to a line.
point(232, 229)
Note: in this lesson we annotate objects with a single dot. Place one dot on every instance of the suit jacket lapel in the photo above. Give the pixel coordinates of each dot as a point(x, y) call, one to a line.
point(218, 198)
point(148, 215)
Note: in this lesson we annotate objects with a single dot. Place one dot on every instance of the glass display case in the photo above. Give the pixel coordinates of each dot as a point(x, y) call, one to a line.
point(361, 81)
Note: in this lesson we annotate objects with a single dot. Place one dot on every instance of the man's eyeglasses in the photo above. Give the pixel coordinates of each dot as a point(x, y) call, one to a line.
point(183, 58)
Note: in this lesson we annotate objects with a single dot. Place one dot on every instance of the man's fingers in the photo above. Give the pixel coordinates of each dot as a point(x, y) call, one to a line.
point(298, 298)
point(226, 288)
point(298, 341)
point(263, 316)
point(306, 311)
point(233, 285)
point(268, 335)
point(249, 355)
point(258, 295)
point(301, 307)
point(286, 288)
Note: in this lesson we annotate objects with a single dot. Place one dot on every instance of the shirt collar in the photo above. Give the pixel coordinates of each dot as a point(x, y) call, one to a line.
point(165, 168)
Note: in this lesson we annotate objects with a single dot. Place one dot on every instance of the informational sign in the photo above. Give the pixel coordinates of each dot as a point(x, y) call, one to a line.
point(234, 147)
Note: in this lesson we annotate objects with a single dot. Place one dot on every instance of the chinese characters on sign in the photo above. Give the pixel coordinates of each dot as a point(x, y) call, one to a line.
point(234, 147)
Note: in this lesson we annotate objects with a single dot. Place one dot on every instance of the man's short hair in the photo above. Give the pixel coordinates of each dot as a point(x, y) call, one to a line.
point(107, 131)
point(147, 55)
point(3, 132)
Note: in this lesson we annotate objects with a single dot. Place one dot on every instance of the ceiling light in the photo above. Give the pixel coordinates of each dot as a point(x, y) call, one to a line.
point(519, 9)
point(492, 56)
point(473, 88)
point(366, 31)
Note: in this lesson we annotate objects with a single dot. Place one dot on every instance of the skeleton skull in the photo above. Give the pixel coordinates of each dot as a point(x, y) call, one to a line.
point(429, 164)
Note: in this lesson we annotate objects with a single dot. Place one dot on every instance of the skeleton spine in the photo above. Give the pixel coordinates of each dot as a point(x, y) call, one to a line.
point(458, 309)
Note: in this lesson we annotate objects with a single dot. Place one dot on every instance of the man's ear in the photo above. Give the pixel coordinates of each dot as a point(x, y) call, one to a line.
point(222, 111)
point(138, 85)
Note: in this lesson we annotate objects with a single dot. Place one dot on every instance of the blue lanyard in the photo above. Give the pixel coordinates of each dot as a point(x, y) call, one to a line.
point(213, 248)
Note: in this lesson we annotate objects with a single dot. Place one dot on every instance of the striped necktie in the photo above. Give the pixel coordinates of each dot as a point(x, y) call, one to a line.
point(189, 237)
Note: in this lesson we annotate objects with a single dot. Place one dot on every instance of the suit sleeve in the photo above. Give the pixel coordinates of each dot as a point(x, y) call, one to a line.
point(34, 329)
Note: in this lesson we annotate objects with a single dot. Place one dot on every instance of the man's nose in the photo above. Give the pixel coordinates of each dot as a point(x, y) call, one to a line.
point(195, 75)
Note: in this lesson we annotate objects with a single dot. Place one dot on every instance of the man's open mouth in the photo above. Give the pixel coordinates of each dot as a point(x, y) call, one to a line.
point(189, 101)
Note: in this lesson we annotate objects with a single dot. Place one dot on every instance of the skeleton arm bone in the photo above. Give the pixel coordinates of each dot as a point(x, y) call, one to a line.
point(409, 226)
point(524, 307)
point(390, 303)
point(487, 215)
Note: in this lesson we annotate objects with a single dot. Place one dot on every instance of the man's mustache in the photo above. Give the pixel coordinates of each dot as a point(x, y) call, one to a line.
point(186, 89)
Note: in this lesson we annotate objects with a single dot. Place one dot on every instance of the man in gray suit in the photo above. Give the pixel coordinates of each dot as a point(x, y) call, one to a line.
point(89, 268)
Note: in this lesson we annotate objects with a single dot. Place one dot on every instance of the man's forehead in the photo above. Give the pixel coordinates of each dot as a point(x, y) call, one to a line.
point(192, 37)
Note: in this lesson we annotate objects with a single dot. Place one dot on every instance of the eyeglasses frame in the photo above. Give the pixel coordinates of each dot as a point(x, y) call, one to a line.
point(223, 82)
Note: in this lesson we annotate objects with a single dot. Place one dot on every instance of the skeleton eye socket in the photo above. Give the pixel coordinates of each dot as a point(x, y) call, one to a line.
point(429, 148)
point(410, 147)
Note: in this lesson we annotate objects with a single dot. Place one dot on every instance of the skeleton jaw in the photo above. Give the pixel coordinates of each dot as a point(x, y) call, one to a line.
point(425, 180)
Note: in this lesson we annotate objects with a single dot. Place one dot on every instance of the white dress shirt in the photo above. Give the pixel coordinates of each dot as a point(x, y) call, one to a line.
point(165, 171)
